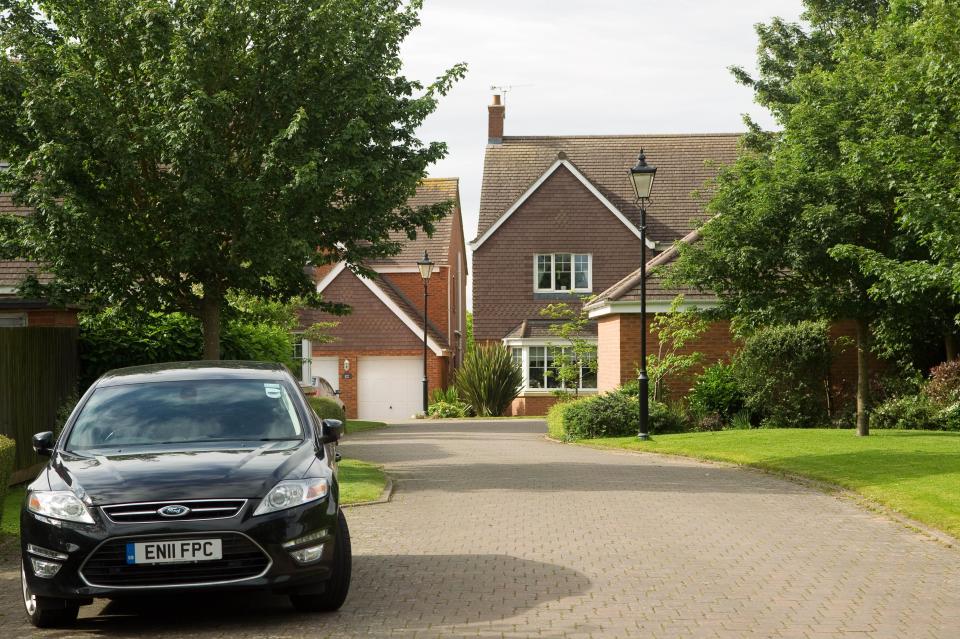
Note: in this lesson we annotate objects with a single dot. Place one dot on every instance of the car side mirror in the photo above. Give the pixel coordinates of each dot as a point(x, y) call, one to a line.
point(331, 430)
point(43, 443)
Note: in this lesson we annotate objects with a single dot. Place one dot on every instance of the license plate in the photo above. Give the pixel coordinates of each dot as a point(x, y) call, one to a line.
point(178, 551)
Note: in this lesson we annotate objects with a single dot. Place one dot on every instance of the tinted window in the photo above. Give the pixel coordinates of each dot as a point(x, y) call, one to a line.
point(180, 412)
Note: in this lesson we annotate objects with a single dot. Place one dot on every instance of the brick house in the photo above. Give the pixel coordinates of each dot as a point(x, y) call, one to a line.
point(559, 223)
point(376, 358)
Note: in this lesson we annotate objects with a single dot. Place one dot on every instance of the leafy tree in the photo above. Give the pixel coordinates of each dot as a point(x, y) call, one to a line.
point(579, 352)
point(674, 330)
point(177, 151)
point(799, 210)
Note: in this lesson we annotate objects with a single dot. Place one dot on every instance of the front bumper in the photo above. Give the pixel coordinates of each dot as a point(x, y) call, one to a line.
point(269, 533)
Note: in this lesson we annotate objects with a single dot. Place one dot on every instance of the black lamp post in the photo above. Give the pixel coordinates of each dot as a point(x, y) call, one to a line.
point(641, 177)
point(426, 270)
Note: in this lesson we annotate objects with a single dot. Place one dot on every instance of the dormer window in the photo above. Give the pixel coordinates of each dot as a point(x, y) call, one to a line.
point(563, 272)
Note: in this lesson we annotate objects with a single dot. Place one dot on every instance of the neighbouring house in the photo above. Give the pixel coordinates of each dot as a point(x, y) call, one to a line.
point(376, 357)
point(559, 223)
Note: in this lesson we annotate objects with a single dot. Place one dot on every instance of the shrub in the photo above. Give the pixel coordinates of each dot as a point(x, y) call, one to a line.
point(667, 418)
point(445, 410)
point(327, 408)
point(741, 420)
point(448, 394)
point(489, 380)
point(915, 412)
point(782, 371)
point(556, 418)
point(609, 415)
point(943, 388)
point(7, 451)
point(717, 392)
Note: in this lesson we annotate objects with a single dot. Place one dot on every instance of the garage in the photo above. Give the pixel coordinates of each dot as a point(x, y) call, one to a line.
point(389, 388)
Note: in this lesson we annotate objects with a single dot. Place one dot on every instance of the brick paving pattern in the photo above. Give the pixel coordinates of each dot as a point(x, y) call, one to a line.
point(495, 532)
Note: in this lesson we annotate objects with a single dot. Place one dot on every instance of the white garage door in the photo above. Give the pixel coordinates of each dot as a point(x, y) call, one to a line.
point(389, 388)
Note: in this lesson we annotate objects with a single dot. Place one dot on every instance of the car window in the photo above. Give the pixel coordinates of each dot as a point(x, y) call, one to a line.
point(186, 411)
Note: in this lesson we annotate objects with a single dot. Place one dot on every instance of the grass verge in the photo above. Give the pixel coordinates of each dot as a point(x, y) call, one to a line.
point(915, 473)
point(360, 481)
point(359, 425)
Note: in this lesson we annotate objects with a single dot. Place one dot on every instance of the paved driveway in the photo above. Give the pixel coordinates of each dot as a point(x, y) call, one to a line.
point(494, 532)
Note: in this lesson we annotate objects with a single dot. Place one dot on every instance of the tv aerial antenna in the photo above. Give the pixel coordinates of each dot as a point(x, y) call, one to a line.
point(504, 89)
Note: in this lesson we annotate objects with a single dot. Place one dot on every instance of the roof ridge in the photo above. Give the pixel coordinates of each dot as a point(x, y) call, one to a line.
point(589, 136)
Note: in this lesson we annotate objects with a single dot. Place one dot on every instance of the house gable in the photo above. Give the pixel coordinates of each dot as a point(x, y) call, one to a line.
point(561, 162)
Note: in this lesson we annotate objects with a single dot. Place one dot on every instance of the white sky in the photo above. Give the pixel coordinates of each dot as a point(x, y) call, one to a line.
point(585, 67)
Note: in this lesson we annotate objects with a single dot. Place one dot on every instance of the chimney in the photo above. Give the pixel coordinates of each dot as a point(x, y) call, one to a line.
point(497, 112)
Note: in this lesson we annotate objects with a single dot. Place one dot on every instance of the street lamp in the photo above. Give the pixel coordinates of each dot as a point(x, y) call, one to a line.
point(641, 177)
point(426, 270)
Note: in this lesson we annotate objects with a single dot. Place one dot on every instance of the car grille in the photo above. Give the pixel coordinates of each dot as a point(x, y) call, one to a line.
point(107, 565)
point(146, 512)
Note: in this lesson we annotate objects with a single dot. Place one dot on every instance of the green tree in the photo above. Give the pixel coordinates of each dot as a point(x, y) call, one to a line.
point(177, 151)
point(674, 330)
point(795, 210)
point(578, 352)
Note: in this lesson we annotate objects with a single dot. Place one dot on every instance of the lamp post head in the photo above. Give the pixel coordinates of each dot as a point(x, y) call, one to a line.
point(641, 177)
point(425, 266)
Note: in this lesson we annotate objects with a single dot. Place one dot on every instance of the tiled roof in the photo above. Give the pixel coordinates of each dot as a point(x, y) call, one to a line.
point(407, 307)
point(536, 328)
point(13, 272)
point(430, 191)
point(685, 164)
point(628, 289)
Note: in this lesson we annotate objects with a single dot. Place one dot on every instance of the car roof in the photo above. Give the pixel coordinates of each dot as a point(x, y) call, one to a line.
point(183, 371)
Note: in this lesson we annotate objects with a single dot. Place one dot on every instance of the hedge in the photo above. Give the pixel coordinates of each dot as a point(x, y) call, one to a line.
point(8, 449)
point(555, 417)
point(326, 408)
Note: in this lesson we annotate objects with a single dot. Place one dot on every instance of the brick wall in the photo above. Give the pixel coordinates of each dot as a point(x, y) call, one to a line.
point(52, 317)
point(438, 287)
point(561, 216)
point(535, 405)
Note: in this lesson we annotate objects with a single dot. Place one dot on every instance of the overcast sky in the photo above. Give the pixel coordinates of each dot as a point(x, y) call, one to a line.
point(585, 67)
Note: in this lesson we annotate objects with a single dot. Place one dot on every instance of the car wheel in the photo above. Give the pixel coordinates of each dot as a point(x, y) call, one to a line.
point(46, 612)
point(336, 592)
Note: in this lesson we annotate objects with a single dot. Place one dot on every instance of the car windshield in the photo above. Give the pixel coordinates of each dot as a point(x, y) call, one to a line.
point(185, 412)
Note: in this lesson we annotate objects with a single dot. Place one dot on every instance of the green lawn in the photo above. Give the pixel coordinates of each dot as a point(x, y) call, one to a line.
point(359, 425)
point(914, 472)
point(359, 481)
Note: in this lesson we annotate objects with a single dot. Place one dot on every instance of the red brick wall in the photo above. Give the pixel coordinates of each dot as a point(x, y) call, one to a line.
point(438, 287)
point(535, 405)
point(618, 347)
point(438, 370)
point(561, 216)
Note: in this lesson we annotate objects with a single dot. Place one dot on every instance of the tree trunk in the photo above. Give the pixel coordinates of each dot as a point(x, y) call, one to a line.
point(950, 340)
point(863, 379)
point(210, 319)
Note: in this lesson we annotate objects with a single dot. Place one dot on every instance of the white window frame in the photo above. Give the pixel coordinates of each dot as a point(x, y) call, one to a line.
point(525, 346)
point(306, 360)
point(553, 272)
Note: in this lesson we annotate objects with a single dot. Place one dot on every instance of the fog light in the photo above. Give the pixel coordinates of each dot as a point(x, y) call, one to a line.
point(46, 552)
point(299, 541)
point(307, 555)
point(43, 568)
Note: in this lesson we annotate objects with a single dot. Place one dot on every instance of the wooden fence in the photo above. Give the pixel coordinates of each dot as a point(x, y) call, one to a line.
point(38, 372)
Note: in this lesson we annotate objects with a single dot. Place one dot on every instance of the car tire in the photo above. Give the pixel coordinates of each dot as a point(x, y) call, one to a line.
point(339, 584)
point(47, 612)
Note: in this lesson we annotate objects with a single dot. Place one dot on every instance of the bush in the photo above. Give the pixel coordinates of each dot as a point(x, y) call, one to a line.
point(489, 380)
point(556, 417)
point(7, 451)
point(112, 339)
point(717, 392)
point(943, 389)
point(916, 412)
point(609, 415)
point(327, 408)
point(445, 410)
point(782, 371)
point(448, 394)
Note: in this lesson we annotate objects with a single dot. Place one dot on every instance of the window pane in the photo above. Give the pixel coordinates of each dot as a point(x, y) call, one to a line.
point(580, 271)
point(563, 267)
point(537, 367)
point(517, 353)
point(553, 368)
point(544, 272)
point(588, 374)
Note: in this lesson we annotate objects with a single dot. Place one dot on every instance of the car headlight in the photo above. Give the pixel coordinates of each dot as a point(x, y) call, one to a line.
point(290, 493)
point(58, 504)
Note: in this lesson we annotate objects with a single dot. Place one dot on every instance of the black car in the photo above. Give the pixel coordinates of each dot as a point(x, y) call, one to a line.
point(190, 476)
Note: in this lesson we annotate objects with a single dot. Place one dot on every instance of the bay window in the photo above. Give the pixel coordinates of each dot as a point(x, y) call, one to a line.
point(540, 365)
point(563, 272)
